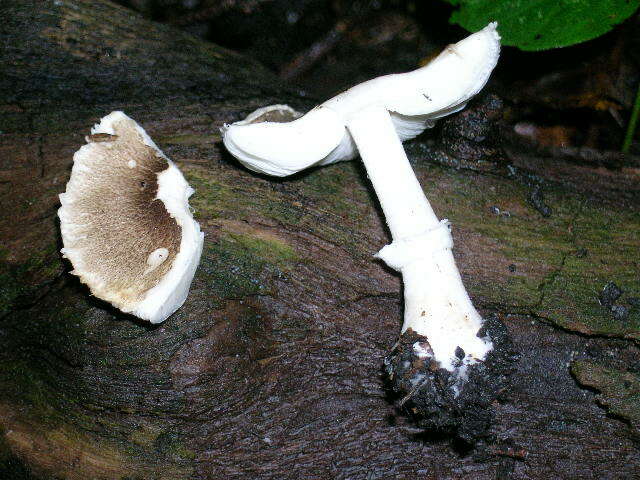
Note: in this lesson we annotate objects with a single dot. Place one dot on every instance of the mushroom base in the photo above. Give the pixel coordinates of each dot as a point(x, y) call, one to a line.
point(458, 402)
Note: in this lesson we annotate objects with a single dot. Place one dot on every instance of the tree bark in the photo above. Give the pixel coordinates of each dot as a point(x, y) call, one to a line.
point(271, 369)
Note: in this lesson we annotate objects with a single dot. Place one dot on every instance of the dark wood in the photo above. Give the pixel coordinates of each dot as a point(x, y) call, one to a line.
point(272, 367)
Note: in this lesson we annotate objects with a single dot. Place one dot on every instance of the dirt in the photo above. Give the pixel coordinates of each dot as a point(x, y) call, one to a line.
point(436, 399)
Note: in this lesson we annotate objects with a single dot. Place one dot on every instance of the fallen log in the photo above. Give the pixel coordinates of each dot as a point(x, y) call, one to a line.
point(271, 369)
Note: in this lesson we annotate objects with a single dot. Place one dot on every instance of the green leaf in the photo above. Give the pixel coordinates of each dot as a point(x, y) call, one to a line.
point(544, 24)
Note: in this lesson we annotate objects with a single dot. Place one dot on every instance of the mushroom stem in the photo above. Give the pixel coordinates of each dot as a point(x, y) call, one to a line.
point(437, 305)
point(406, 209)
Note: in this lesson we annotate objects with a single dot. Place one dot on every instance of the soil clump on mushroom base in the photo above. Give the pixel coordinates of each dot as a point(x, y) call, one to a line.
point(430, 394)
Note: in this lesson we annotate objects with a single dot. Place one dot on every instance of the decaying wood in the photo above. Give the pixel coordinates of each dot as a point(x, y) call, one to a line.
point(272, 367)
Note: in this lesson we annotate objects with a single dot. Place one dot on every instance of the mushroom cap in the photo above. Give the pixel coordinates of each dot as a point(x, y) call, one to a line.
point(304, 140)
point(415, 100)
point(126, 224)
point(441, 87)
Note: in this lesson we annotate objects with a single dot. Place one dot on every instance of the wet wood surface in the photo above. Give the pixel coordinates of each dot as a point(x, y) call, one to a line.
point(272, 368)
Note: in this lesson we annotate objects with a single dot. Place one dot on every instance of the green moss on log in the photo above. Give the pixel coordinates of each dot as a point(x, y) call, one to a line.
point(606, 249)
point(552, 267)
point(330, 202)
point(619, 391)
point(238, 265)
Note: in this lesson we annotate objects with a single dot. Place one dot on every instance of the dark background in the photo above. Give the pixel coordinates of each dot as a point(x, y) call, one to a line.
point(569, 97)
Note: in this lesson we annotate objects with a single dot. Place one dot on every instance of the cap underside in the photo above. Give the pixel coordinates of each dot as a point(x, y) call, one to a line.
point(118, 235)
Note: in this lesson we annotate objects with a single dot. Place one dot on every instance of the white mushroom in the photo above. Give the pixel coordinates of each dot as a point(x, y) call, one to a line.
point(126, 224)
point(373, 119)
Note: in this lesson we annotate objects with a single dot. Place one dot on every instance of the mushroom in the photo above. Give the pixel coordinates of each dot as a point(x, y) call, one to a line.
point(444, 344)
point(126, 224)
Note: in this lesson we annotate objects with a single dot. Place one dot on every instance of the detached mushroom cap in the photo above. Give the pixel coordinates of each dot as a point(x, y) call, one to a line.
point(126, 224)
point(415, 99)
